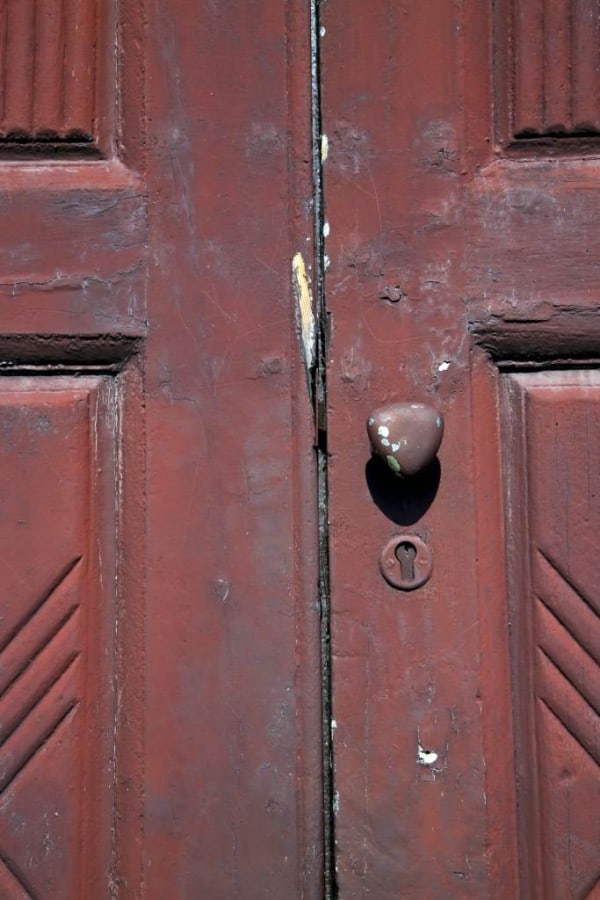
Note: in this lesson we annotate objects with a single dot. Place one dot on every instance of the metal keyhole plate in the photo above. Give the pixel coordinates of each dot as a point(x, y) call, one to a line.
point(406, 562)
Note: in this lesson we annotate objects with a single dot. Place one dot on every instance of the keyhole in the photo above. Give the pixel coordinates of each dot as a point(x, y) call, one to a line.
point(406, 562)
point(406, 554)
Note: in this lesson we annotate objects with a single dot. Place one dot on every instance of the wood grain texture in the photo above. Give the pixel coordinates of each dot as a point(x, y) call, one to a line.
point(556, 631)
point(547, 69)
point(49, 51)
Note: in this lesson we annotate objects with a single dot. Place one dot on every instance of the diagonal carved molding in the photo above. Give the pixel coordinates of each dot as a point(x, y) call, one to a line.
point(13, 884)
point(38, 690)
point(568, 671)
point(566, 582)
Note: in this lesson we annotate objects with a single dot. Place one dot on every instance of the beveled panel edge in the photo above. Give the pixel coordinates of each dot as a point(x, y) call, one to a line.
point(105, 353)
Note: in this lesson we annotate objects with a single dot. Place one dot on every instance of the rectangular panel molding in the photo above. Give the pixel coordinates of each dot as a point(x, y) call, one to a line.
point(547, 71)
point(553, 527)
point(57, 635)
point(50, 54)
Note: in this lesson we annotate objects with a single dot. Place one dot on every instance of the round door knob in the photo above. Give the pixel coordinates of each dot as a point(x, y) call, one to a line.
point(406, 436)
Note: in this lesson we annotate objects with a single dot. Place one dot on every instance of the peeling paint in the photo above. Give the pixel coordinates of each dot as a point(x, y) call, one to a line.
point(304, 307)
point(426, 757)
point(326, 230)
point(324, 148)
point(393, 464)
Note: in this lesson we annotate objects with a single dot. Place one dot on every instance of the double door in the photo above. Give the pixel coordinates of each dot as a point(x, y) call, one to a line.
point(239, 656)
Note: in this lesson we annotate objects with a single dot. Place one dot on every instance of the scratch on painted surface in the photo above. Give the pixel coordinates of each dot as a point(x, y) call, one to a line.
point(304, 307)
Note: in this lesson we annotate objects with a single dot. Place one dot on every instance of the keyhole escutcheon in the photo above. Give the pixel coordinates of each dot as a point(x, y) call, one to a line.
point(406, 562)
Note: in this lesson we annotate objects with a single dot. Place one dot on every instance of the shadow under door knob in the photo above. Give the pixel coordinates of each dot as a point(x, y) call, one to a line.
point(406, 436)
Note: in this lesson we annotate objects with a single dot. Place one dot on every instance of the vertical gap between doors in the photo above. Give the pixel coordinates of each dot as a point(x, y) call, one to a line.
point(320, 389)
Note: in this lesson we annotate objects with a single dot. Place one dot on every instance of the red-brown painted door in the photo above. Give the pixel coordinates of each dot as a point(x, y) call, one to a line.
point(461, 226)
point(159, 624)
point(160, 705)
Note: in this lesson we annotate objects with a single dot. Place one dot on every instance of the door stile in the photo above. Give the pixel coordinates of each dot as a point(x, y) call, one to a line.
point(232, 510)
point(493, 529)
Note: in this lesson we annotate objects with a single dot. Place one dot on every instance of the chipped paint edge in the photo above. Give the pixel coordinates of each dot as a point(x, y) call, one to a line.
point(304, 310)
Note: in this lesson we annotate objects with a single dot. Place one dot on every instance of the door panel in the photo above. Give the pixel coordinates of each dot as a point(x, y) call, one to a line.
point(57, 658)
point(555, 625)
point(461, 206)
point(157, 438)
point(55, 62)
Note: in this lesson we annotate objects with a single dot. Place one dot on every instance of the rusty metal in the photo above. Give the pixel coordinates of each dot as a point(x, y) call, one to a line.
point(406, 562)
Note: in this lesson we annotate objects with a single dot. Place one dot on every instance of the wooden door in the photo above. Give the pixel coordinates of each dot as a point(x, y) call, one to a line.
point(461, 221)
point(162, 509)
point(159, 623)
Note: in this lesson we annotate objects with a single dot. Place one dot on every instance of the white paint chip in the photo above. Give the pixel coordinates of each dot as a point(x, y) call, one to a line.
point(383, 431)
point(322, 31)
point(326, 229)
point(324, 148)
point(444, 366)
point(385, 442)
point(326, 261)
point(395, 447)
point(426, 757)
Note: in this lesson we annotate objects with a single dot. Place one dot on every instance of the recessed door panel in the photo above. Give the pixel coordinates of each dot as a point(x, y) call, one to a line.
point(554, 508)
point(58, 496)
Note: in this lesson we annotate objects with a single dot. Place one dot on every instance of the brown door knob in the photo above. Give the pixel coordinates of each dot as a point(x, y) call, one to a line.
point(406, 436)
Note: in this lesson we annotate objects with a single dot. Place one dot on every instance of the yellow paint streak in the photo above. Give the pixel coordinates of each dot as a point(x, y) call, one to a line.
point(305, 308)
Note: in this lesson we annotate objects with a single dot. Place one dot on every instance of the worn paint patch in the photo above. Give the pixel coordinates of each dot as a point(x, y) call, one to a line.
point(324, 148)
point(426, 757)
point(336, 803)
point(304, 309)
point(393, 464)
